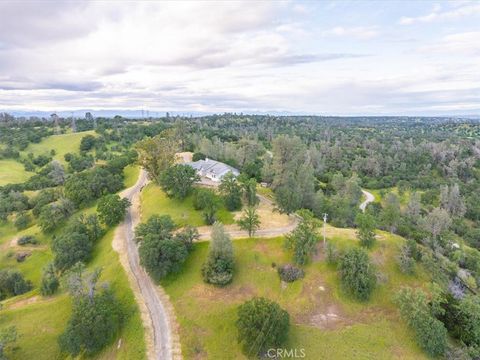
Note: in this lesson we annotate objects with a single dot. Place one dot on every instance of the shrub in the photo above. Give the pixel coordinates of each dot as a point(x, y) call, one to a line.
point(12, 283)
point(290, 273)
point(50, 281)
point(200, 198)
point(27, 239)
point(357, 273)
point(332, 253)
point(198, 156)
point(405, 260)
point(22, 221)
point(262, 324)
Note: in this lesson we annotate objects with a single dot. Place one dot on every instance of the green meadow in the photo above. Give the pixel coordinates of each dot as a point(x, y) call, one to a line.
point(371, 330)
point(12, 172)
point(62, 144)
point(155, 201)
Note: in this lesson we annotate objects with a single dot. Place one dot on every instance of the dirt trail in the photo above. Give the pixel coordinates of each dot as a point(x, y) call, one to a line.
point(157, 312)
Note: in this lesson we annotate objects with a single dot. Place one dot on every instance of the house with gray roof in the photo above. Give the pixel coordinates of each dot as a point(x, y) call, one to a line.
point(211, 169)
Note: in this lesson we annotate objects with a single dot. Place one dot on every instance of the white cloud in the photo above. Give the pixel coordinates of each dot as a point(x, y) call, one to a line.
point(358, 32)
point(458, 44)
point(221, 56)
point(470, 9)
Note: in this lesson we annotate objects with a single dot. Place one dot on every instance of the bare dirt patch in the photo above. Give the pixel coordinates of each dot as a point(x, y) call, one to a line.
point(322, 311)
point(183, 157)
point(28, 301)
point(270, 218)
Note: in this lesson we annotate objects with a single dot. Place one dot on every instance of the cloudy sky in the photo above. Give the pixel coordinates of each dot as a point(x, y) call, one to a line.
point(345, 58)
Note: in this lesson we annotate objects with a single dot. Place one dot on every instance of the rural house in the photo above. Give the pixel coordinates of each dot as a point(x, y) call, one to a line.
point(211, 169)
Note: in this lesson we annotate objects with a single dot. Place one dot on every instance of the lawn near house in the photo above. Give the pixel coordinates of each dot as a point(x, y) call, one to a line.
point(156, 202)
point(325, 321)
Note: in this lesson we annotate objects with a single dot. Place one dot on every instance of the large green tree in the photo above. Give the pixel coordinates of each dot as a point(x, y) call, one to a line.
point(231, 191)
point(112, 209)
point(177, 180)
point(365, 229)
point(262, 324)
point(207, 201)
point(293, 178)
point(304, 239)
point(70, 248)
point(219, 267)
point(391, 212)
point(161, 251)
point(96, 315)
point(157, 154)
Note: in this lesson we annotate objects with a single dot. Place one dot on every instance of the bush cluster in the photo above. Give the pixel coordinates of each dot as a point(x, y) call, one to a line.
point(290, 273)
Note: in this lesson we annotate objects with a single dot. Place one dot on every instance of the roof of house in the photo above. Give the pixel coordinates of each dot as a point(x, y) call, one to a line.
point(216, 167)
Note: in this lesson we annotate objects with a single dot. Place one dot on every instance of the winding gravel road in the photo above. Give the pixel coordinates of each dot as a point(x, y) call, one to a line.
point(369, 198)
point(157, 310)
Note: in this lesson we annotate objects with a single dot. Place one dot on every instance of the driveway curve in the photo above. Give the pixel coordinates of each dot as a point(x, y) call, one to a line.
point(161, 344)
point(369, 198)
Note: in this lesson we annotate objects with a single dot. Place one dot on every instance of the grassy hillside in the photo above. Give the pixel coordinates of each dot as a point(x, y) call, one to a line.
point(326, 322)
point(12, 171)
point(39, 321)
point(62, 144)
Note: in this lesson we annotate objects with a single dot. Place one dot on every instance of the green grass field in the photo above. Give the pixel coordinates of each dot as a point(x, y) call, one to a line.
point(12, 172)
point(62, 144)
point(131, 173)
point(369, 330)
point(154, 201)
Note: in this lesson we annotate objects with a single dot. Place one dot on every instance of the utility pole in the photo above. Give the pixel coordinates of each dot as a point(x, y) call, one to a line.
point(325, 216)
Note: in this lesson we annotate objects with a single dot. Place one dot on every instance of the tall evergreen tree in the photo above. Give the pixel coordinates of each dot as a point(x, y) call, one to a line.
point(219, 267)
